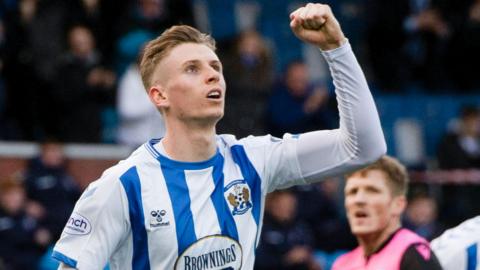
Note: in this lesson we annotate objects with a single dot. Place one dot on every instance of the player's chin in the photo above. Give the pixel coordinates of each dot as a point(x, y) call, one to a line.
point(214, 115)
point(218, 116)
point(218, 111)
point(360, 229)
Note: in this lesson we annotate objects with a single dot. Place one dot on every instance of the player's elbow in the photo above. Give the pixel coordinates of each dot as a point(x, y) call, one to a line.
point(374, 152)
point(378, 154)
point(368, 150)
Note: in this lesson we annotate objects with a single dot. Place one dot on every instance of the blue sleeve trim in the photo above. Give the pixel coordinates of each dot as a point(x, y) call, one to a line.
point(65, 259)
point(472, 257)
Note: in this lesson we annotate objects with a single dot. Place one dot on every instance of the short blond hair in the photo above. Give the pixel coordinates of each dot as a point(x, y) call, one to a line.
point(396, 174)
point(157, 49)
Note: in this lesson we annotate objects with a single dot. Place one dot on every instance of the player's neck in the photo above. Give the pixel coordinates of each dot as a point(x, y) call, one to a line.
point(370, 243)
point(190, 144)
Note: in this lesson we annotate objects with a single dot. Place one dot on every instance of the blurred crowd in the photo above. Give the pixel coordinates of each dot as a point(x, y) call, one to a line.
point(69, 71)
point(34, 207)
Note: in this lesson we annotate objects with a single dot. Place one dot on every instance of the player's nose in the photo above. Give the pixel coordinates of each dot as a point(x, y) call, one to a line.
point(360, 197)
point(212, 76)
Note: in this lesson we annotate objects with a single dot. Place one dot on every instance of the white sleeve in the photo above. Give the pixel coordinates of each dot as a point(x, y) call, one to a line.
point(359, 140)
point(313, 156)
point(459, 245)
point(98, 224)
point(274, 160)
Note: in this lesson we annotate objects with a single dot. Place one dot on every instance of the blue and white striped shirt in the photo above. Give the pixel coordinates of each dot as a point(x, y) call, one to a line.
point(152, 212)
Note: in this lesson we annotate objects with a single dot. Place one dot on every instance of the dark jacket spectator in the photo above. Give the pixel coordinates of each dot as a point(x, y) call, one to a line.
point(83, 89)
point(23, 240)
point(249, 73)
point(320, 206)
point(460, 149)
point(51, 190)
point(421, 217)
point(307, 104)
point(285, 242)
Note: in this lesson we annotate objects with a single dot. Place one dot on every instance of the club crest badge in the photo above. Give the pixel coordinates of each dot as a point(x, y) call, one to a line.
point(238, 196)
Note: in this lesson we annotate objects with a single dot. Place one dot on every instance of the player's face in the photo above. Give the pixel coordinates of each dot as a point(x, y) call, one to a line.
point(371, 207)
point(192, 81)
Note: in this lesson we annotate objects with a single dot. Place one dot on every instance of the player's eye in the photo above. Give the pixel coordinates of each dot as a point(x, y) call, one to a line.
point(373, 190)
point(217, 67)
point(351, 192)
point(191, 69)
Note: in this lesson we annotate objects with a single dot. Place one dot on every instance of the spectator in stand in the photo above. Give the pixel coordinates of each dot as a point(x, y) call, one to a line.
point(139, 119)
point(407, 43)
point(100, 16)
point(249, 73)
point(33, 41)
point(156, 15)
point(421, 217)
point(321, 207)
point(23, 241)
point(463, 142)
point(84, 88)
point(384, 30)
point(465, 46)
point(428, 34)
point(460, 149)
point(272, 25)
point(307, 104)
point(51, 191)
point(286, 243)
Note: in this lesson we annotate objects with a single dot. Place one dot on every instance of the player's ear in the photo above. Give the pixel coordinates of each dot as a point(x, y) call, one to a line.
point(399, 204)
point(158, 96)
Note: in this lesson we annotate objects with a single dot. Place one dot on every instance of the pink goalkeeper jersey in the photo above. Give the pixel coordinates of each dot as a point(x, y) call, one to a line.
point(388, 258)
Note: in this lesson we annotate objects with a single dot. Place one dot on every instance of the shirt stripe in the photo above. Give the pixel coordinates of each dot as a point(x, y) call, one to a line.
point(133, 189)
point(200, 188)
point(472, 257)
point(253, 180)
point(64, 258)
point(179, 195)
point(225, 218)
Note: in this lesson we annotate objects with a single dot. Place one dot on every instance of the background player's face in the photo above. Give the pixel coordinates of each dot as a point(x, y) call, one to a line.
point(192, 79)
point(371, 207)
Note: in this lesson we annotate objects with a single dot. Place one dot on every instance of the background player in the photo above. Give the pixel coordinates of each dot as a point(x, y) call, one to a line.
point(457, 248)
point(194, 199)
point(375, 198)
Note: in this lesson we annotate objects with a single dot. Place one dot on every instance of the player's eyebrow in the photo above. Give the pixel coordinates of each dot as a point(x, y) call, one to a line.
point(189, 62)
point(196, 62)
point(217, 62)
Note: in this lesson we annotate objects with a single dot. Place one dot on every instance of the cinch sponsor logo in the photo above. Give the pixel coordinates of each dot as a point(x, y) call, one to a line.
point(77, 225)
point(211, 260)
point(214, 252)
